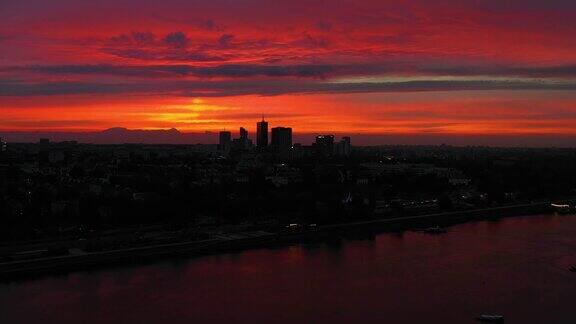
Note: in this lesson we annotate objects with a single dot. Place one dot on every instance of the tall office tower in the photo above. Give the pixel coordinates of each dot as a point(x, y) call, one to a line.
point(43, 150)
point(225, 140)
point(347, 145)
point(262, 133)
point(282, 138)
point(2, 145)
point(243, 134)
point(324, 145)
point(243, 142)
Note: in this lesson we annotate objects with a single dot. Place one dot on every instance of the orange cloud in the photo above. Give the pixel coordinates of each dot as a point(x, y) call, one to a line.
point(372, 67)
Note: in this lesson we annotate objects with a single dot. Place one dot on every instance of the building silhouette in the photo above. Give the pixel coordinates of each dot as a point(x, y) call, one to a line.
point(243, 134)
point(224, 140)
point(242, 142)
point(43, 142)
point(262, 133)
point(281, 138)
point(281, 143)
point(324, 145)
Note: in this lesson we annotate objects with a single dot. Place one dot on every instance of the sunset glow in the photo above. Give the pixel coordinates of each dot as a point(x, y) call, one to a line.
point(413, 67)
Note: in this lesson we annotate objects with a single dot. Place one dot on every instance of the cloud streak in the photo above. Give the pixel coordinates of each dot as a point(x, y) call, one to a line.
point(317, 71)
point(263, 88)
point(457, 66)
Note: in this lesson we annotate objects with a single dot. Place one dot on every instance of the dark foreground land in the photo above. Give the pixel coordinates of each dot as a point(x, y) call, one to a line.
point(68, 205)
point(243, 240)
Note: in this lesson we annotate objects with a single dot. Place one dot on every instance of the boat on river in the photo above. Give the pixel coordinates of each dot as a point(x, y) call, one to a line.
point(562, 208)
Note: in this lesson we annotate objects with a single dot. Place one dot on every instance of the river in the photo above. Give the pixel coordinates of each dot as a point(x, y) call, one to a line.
point(514, 266)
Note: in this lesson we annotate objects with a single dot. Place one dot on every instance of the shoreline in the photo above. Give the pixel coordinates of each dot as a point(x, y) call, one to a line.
point(240, 241)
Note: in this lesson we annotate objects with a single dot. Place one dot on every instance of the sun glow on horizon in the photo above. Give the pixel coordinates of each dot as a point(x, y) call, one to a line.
point(341, 67)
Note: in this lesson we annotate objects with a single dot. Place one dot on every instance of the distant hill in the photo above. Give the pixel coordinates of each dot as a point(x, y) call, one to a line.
point(121, 135)
point(117, 135)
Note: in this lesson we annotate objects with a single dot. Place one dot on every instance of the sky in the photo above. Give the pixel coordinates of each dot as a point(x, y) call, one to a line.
point(468, 69)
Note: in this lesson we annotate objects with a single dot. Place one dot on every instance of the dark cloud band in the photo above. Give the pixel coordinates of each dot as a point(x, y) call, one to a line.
point(301, 71)
point(264, 88)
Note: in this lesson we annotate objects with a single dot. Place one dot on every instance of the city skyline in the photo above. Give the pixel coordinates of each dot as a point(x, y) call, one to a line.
point(280, 140)
point(287, 161)
point(463, 71)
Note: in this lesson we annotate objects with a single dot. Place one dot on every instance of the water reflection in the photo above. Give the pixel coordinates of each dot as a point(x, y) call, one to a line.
point(515, 266)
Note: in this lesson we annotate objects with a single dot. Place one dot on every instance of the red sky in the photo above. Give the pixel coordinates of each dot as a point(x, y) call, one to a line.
point(412, 67)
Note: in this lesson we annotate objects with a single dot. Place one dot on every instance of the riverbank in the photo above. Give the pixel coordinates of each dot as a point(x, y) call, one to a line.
point(235, 241)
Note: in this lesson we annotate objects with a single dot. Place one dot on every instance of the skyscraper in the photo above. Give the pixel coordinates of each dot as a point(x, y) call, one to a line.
point(243, 134)
point(347, 145)
point(225, 140)
point(242, 142)
point(282, 138)
point(262, 133)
